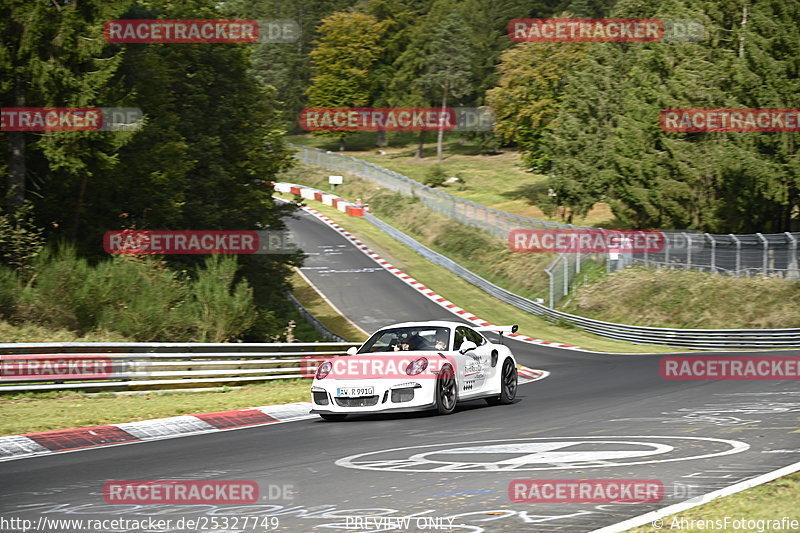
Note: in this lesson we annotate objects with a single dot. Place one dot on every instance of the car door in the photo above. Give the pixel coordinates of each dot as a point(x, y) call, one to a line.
point(474, 363)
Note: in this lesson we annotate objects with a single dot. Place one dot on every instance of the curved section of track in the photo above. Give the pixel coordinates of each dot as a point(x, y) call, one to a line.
point(595, 417)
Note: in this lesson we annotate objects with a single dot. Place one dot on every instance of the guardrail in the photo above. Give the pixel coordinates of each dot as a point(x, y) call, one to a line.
point(701, 339)
point(116, 366)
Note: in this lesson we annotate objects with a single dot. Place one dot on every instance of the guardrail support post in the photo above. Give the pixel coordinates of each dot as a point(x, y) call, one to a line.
point(766, 249)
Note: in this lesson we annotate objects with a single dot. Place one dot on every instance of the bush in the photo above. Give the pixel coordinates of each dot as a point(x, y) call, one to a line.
point(9, 290)
point(219, 309)
point(20, 240)
point(435, 176)
point(56, 295)
point(136, 297)
point(139, 298)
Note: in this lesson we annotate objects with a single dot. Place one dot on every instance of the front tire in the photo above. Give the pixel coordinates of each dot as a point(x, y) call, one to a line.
point(333, 417)
point(508, 385)
point(446, 391)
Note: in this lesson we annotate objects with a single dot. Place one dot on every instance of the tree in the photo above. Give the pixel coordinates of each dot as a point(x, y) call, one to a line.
point(606, 143)
point(528, 94)
point(53, 55)
point(286, 66)
point(399, 19)
point(348, 45)
point(437, 63)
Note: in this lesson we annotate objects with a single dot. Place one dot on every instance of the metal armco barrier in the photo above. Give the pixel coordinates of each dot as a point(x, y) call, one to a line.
point(701, 339)
point(152, 365)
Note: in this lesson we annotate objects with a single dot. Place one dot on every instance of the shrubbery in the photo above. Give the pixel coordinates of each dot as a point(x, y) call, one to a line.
point(137, 297)
point(435, 176)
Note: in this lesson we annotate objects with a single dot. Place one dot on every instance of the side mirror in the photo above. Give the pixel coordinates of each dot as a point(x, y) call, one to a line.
point(467, 346)
point(352, 350)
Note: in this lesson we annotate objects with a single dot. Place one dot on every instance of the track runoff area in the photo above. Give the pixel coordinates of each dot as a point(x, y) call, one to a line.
point(605, 442)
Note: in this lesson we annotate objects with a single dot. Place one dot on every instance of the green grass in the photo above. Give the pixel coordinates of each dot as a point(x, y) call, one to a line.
point(315, 304)
point(468, 296)
point(500, 180)
point(686, 299)
point(34, 412)
point(476, 250)
point(770, 501)
point(28, 332)
point(660, 298)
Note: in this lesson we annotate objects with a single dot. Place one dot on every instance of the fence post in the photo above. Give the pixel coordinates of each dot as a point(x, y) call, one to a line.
point(713, 252)
point(791, 263)
point(667, 243)
point(688, 238)
point(766, 248)
point(738, 252)
point(565, 259)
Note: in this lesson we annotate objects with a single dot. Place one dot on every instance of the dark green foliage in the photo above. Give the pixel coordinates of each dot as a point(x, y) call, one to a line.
point(606, 143)
point(286, 66)
point(436, 176)
point(139, 298)
point(20, 239)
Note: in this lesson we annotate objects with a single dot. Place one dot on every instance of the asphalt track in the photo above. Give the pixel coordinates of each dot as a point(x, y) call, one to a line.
point(594, 417)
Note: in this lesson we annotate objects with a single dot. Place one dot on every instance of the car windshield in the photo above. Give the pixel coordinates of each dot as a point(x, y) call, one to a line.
point(415, 338)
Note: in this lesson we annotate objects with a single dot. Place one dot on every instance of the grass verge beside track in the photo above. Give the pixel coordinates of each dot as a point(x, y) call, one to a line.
point(468, 296)
point(498, 180)
point(770, 501)
point(315, 304)
point(34, 412)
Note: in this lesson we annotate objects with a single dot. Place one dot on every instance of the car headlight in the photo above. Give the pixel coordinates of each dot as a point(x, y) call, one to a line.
point(416, 366)
point(324, 369)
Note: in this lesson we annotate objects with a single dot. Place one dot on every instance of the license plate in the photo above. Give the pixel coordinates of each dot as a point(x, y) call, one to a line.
point(354, 392)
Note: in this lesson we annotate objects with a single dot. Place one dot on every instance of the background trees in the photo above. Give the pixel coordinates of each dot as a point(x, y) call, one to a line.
point(348, 45)
point(211, 139)
point(585, 114)
point(602, 141)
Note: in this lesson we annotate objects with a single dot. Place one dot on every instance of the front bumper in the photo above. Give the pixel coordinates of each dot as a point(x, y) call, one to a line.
point(391, 396)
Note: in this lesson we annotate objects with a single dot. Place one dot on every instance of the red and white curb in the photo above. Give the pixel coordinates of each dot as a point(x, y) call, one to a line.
point(529, 375)
point(430, 294)
point(66, 440)
point(77, 439)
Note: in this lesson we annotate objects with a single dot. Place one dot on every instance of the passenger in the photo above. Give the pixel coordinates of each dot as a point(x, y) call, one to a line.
point(442, 337)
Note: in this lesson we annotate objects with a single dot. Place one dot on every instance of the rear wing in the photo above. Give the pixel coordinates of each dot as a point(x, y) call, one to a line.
point(499, 329)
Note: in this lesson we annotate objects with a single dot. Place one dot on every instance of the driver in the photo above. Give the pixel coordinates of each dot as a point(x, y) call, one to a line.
point(415, 342)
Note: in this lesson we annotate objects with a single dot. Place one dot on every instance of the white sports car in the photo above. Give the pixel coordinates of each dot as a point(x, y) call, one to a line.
point(416, 366)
